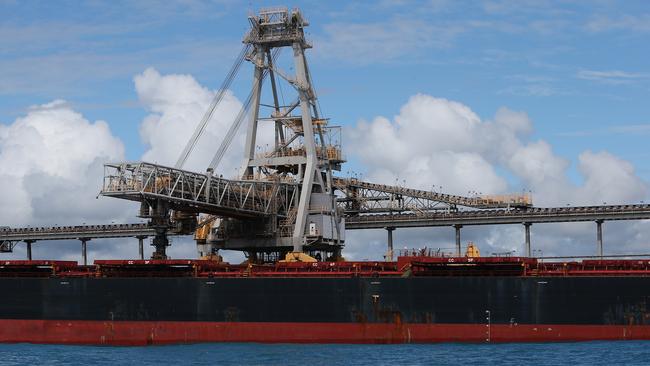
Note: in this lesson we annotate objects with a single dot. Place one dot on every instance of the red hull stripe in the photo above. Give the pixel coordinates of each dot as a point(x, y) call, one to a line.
point(168, 332)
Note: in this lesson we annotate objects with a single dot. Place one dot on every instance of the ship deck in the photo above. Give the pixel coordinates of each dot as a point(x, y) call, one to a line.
point(405, 266)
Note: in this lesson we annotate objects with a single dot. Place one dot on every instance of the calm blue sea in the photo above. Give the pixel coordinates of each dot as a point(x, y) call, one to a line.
point(588, 353)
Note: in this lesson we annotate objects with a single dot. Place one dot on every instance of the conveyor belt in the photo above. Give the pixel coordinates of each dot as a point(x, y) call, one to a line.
point(502, 216)
point(75, 232)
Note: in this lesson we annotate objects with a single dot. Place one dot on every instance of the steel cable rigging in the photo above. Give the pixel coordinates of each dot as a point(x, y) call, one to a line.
point(230, 135)
point(200, 128)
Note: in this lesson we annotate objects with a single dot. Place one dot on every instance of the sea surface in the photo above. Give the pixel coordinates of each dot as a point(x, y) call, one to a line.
point(584, 353)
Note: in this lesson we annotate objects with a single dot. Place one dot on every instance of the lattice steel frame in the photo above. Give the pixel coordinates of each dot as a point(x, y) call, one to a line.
point(194, 192)
point(362, 197)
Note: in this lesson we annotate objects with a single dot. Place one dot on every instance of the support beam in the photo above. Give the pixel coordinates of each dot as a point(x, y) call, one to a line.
point(29, 249)
point(457, 227)
point(492, 217)
point(529, 252)
point(599, 237)
point(311, 167)
point(141, 246)
point(251, 135)
point(160, 243)
point(389, 253)
point(160, 222)
point(84, 251)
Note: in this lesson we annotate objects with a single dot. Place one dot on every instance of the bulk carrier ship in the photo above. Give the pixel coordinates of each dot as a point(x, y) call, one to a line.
point(416, 299)
point(288, 213)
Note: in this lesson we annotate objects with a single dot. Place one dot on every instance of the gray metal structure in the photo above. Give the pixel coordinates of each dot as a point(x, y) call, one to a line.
point(284, 200)
point(10, 237)
point(296, 159)
point(360, 197)
point(187, 191)
point(75, 232)
point(527, 216)
point(499, 217)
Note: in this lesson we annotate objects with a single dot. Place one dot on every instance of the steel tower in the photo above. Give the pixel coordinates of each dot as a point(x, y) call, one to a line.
point(305, 149)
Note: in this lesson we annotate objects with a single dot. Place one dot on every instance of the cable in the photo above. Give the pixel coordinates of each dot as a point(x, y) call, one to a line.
point(230, 135)
point(200, 128)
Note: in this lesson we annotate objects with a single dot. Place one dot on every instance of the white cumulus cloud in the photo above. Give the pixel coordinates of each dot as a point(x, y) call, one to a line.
point(176, 104)
point(51, 166)
point(51, 170)
point(437, 142)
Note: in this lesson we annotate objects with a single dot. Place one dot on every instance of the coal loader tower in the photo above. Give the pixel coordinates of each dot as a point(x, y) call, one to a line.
point(284, 202)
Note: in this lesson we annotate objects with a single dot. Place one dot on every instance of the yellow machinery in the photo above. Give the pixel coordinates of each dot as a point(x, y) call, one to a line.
point(298, 257)
point(472, 251)
point(201, 236)
point(203, 228)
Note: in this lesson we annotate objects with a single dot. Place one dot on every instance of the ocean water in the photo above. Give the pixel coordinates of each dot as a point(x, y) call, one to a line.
point(584, 353)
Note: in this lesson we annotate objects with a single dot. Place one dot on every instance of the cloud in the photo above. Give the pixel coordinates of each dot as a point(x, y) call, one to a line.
point(176, 104)
point(438, 142)
point(51, 160)
point(50, 73)
point(532, 85)
point(620, 129)
point(530, 90)
point(608, 179)
point(509, 7)
point(119, 39)
point(51, 170)
point(631, 129)
point(434, 141)
point(612, 76)
point(366, 43)
point(603, 23)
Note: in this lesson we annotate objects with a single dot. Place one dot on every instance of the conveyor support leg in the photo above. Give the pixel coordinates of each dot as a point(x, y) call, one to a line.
point(599, 237)
point(29, 249)
point(527, 226)
point(389, 255)
point(457, 227)
point(84, 251)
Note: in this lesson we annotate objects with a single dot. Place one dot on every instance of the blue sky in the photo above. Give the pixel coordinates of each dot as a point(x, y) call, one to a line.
point(579, 69)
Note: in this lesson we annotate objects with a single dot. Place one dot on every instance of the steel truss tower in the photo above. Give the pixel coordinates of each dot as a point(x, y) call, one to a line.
point(304, 151)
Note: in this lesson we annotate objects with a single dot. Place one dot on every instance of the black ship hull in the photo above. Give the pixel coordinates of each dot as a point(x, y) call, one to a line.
point(294, 309)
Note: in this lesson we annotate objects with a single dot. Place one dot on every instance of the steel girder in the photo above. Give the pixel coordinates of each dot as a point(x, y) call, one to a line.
point(499, 217)
point(194, 192)
point(362, 197)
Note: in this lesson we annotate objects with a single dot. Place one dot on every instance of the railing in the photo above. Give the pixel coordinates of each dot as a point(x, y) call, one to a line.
point(501, 216)
point(357, 189)
point(332, 153)
point(195, 192)
point(75, 232)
